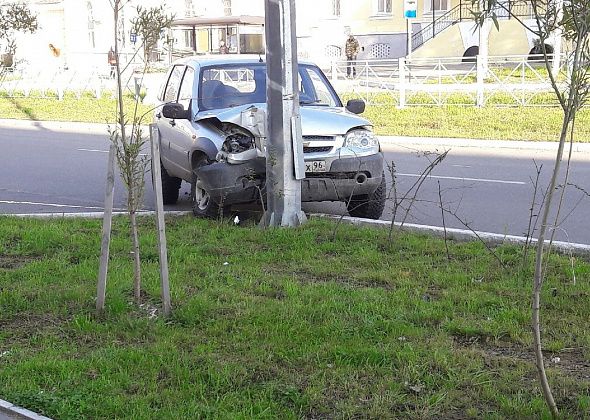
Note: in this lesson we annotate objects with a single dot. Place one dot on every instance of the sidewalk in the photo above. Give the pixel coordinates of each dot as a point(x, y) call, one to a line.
point(101, 128)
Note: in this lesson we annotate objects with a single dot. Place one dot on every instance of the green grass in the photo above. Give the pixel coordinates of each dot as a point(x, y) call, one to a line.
point(86, 109)
point(535, 124)
point(295, 325)
point(421, 119)
point(496, 121)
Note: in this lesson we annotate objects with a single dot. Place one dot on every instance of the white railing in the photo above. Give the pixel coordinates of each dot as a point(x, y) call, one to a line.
point(516, 80)
point(499, 81)
point(39, 83)
point(92, 75)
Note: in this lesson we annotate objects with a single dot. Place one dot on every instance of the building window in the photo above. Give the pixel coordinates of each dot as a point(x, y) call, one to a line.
point(436, 5)
point(189, 8)
point(91, 38)
point(335, 7)
point(122, 34)
point(384, 7)
point(227, 7)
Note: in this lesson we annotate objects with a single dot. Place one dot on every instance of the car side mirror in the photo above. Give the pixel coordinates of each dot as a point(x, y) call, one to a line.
point(175, 112)
point(356, 106)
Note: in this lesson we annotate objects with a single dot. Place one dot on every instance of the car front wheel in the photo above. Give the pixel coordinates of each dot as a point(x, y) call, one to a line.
point(203, 204)
point(369, 206)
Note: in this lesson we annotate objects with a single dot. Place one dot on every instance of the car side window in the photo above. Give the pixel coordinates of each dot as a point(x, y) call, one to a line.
point(186, 89)
point(314, 89)
point(171, 94)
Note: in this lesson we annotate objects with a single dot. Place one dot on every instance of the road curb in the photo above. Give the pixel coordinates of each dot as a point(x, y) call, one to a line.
point(437, 231)
point(19, 413)
point(90, 215)
point(461, 234)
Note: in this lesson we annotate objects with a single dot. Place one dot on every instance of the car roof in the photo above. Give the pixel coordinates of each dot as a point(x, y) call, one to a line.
point(221, 59)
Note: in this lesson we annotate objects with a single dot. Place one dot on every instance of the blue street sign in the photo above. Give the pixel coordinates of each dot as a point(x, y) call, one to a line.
point(410, 7)
point(133, 37)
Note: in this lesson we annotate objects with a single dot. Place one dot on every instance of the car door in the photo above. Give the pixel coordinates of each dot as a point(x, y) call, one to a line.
point(183, 130)
point(167, 126)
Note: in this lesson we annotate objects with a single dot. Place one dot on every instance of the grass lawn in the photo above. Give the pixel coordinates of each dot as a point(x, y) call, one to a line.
point(496, 123)
point(295, 325)
point(86, 109)
point(502, 123)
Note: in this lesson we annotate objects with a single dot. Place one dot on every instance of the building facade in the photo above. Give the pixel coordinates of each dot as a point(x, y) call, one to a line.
point(81, 31)
point(441, 28)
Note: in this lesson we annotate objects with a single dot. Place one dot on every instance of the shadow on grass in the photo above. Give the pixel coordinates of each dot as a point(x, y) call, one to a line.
point(27, 111)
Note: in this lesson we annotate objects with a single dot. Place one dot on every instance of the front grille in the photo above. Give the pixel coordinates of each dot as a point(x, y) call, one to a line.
point(318, 138)
point(311, 149)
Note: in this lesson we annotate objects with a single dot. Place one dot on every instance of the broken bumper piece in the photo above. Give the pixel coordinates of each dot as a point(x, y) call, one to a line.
point(242, 183)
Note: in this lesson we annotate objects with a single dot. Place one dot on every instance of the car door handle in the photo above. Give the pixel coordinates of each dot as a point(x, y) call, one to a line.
point(158, 115)
point(172, 123)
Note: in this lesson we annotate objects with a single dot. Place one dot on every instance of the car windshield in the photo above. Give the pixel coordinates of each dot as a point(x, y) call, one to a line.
point(230, 85)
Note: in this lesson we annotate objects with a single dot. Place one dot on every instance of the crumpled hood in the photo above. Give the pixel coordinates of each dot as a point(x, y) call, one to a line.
point(315, 120)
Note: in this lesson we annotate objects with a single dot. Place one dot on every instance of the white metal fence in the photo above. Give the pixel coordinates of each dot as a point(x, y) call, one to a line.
point(470, 81)
point(91, 75)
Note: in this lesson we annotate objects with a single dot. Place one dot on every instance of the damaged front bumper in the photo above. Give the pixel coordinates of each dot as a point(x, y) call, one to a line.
point(230, 183)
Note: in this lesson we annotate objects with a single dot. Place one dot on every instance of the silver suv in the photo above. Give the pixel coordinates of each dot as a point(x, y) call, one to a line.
point(204, 141)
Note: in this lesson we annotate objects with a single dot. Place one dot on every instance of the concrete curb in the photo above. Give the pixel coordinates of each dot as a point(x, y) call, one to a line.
point(492, 144)
point(90, 215)
point(19, 413)
point(461, 234)
point(439, 232)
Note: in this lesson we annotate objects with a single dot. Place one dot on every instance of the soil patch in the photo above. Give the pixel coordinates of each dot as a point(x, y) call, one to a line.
point(571, 362)
point(13, 262)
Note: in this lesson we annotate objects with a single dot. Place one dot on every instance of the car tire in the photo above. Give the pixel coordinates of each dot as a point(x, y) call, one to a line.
point(170, 186)
point(203, 204)
point(369, 206)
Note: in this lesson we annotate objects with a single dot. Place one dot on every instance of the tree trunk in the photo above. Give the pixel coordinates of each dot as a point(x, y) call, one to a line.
point(539, 274)
point(136, 259)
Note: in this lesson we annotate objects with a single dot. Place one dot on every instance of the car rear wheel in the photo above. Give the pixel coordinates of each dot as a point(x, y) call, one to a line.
point(369, 206)
point(170, 186)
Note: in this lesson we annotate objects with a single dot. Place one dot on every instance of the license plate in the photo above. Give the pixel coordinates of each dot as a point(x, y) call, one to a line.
point(315, 166)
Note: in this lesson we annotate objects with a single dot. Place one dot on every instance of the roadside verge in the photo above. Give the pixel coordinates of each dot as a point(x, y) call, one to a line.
point(490, 238)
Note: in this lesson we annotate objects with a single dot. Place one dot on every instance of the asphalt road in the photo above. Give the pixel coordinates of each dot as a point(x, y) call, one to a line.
point(48, 168)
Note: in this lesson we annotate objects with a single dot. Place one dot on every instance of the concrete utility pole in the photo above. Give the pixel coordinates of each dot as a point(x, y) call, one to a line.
point(284, 148)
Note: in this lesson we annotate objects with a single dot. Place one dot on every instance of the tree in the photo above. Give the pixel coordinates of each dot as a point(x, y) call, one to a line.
point(15, 18)
point(127, 146)
point(569, 19)
point(149, 24)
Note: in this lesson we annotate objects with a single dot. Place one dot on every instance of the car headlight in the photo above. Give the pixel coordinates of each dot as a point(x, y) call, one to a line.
point(361, 139)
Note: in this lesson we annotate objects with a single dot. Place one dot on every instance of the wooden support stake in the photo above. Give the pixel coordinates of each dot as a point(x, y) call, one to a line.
point(160, 223)
point(106, 230)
